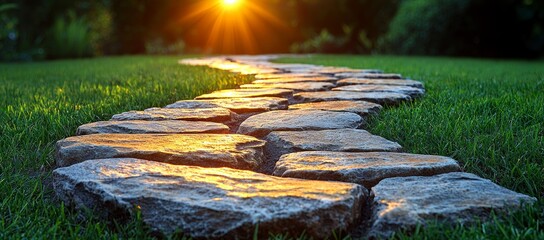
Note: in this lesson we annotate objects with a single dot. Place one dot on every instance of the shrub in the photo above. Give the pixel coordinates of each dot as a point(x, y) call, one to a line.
point(324, 42)
point(504, 28)
point(159, 46)
point(69, 37)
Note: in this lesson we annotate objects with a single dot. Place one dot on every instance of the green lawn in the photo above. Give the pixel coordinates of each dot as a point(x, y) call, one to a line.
point(489, 115)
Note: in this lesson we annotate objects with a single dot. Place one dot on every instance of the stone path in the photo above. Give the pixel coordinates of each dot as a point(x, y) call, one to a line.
point(285, 153)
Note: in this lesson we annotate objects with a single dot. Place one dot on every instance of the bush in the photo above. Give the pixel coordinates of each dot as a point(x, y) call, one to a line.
point(159, 46)
point(325, 42)
point(69, 37)
point(505, 28)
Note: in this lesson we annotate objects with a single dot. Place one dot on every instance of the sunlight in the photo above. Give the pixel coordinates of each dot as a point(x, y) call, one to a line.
point(232, 25)
point(229, 3)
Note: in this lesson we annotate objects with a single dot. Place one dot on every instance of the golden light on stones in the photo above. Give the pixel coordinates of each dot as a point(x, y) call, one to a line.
point(232, 26)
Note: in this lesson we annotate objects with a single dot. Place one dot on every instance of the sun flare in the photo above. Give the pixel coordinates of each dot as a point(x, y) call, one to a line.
point(229, 3)
point(232, 26)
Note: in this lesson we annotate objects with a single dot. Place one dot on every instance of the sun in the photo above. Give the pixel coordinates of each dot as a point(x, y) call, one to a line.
point(229, 3)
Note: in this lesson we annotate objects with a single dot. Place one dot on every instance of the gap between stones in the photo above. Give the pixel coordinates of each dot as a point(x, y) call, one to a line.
point(300, 161)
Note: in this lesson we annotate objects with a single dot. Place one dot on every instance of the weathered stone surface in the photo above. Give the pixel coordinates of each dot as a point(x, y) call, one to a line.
point(365, 168)
point(369, 75)
point(338, 140)
point(206, 150)
point(159, 114)
point(286, 75)
point(297, 80)
point(394, 82)
point(362, 108)
point(404, 202)
point(300, 120)
point(383, 98)
point(209, 203)
point(338, 70)
point(139, 126)
point(237, 105)
point(297, 87)
point(411, 91)
point(255, 70)
point(248, 93)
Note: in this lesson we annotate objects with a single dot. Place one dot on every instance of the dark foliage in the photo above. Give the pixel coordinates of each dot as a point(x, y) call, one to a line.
point(489, 28)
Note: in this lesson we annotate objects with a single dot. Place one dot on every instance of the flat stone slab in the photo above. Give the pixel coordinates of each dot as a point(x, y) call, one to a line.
point(140, 126)
point(159, 114)
point(338, 70)
point(404, 202)
point(383, 98)
point(209, 203)
point(297, 87)
point(411, 91)
point(300, 120)
point(393, 82)
point(248, 93)
point(206, 150)
point(339, 140)
point(365, 168)
point(286, 75)
point(297, 80)
point(237, 105)
point(362, 108)
point(369, 75)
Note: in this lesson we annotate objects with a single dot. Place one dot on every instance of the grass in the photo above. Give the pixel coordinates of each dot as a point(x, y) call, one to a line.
point(41, 103)
point(489, 115)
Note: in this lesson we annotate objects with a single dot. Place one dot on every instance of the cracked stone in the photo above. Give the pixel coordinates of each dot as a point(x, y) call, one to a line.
point(297, 87)
point(286, 75)
point(296, 80)
point(141, 127)
point(300, 120)
point(221, 115)
point(404, 202)
point(383, 98)
point(339, 70)
point(206, 150)
point(365, 168)
point(237, 105)
point(339, 140)
point(369, 75)
point(247, 93)
point(393, 82)
point(209, 203)
point(411, 91)
point(362, 108)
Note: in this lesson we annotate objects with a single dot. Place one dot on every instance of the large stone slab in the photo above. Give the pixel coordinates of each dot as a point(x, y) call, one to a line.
point(221, 115)
point(247, 93)
point(404, 202)
point(411, 91)
point(286, 75)
point(237, 105)
point(297, 87)
point(340, 140)
point(206, 150)
point(365, 168)
point(297, 80)
point(300, 120)
point(338, 70)
point(362, 108)
point(369, 75)
point(140, 126)
point(383, 98)
point(209, 203)
point(394, 82)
